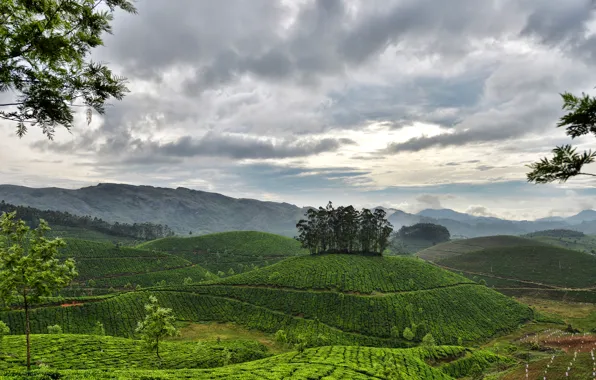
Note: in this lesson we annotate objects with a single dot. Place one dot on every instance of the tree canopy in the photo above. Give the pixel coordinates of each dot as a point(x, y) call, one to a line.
point(28, 265)
point(141, 231)
point(566, 161)
point(344, 230)
point(43, 46)
point(158, 323)
point(425, 231)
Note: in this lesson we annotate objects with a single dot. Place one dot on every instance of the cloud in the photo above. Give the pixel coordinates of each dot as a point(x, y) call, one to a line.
point(134, 150)
point(364, 101)
point(429, 200)
point(479, 211)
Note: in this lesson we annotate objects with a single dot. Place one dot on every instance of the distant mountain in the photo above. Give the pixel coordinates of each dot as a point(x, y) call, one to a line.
point(184, 210)
point(201, 212)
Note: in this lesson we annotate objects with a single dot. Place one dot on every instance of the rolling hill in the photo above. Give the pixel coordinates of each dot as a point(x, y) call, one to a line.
point(108, 265)
point(328, 299)
point(236, 250)
point(517, 265)
point(569, 239)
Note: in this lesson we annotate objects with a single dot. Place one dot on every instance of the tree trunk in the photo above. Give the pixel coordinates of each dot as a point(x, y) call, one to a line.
point(27, 330)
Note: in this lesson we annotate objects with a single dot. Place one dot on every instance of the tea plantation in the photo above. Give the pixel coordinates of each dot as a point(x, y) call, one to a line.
point(336, 362)
point(237, 250)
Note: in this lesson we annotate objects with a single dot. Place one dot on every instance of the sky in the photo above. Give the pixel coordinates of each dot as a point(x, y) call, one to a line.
point(409, 104)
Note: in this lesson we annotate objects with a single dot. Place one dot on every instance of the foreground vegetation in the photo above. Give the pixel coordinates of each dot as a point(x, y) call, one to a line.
point(337, 362)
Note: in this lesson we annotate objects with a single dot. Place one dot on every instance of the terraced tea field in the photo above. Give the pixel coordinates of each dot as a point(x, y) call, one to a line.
point(370, 305)
point(239, 251)
point(338, 362)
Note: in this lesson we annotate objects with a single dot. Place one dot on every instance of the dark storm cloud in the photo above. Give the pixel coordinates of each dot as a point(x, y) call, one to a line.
point(135, 150)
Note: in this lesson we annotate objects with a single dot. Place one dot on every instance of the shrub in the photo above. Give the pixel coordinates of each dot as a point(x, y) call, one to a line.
point(428, 340)
point(55, 329)
point(408, 334)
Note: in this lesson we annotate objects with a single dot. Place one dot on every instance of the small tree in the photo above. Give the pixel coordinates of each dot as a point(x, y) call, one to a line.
point(55, 330)
point(158, 324)
point(4, 330)
point(99, 329)
point(187, 281)
point(428, 340)
point(29, 267)
point(408, 334)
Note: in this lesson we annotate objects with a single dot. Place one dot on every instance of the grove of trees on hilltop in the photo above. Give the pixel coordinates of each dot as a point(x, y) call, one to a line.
point(425, 231)
point(141, 231)
point(344, 230)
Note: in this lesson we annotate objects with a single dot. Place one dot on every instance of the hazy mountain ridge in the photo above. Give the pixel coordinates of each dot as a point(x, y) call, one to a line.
point(201, 212)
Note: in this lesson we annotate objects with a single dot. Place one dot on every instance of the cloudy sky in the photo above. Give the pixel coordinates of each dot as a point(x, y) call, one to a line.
point(409, 104)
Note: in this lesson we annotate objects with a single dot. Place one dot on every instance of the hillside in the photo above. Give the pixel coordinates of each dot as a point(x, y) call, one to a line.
point(577, 242)
point(236, 250)
point(370, 304)
point(182, 209)
point(519, 266)
point(108, 265)
point(458, 247)
point(200, 212)
point(337, 362)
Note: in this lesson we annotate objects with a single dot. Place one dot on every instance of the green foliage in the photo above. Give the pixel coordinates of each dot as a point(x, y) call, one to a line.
point(281, 336)
point(97, 260)
point(4, 330)
point(461, 246)
point(425, 231)
point(110, 353)
point(428, 340)
point(566, 162)
point(546, 265)
point(43, 46)
point(28, 264)
point(344, 230)
point(408, 334)
point(328, 363)
point(237, 250)
point(158, 324)
point(55, 330)
point(68, 225)
point(557, 233)
point(351, 273)
point(99, 329)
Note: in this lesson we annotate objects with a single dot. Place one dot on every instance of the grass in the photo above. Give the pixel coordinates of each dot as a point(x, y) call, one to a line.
point(212, 331)
point(106, 352)
point(580, 315)
point(339, 362)
point(236, 250)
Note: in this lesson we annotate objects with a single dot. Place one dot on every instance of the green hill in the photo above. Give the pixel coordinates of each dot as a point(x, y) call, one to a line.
point(108, 265)
point(351, 300)
point(236, 250)
point(337, 362)
point(519, 266)
point(585, 243)
point(458, 247)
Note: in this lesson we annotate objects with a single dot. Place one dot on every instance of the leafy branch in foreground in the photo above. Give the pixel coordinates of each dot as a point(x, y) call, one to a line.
point(43, 45)
point(566, 162)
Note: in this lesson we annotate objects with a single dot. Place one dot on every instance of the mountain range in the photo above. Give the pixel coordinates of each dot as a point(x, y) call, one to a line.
point(199, 212)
